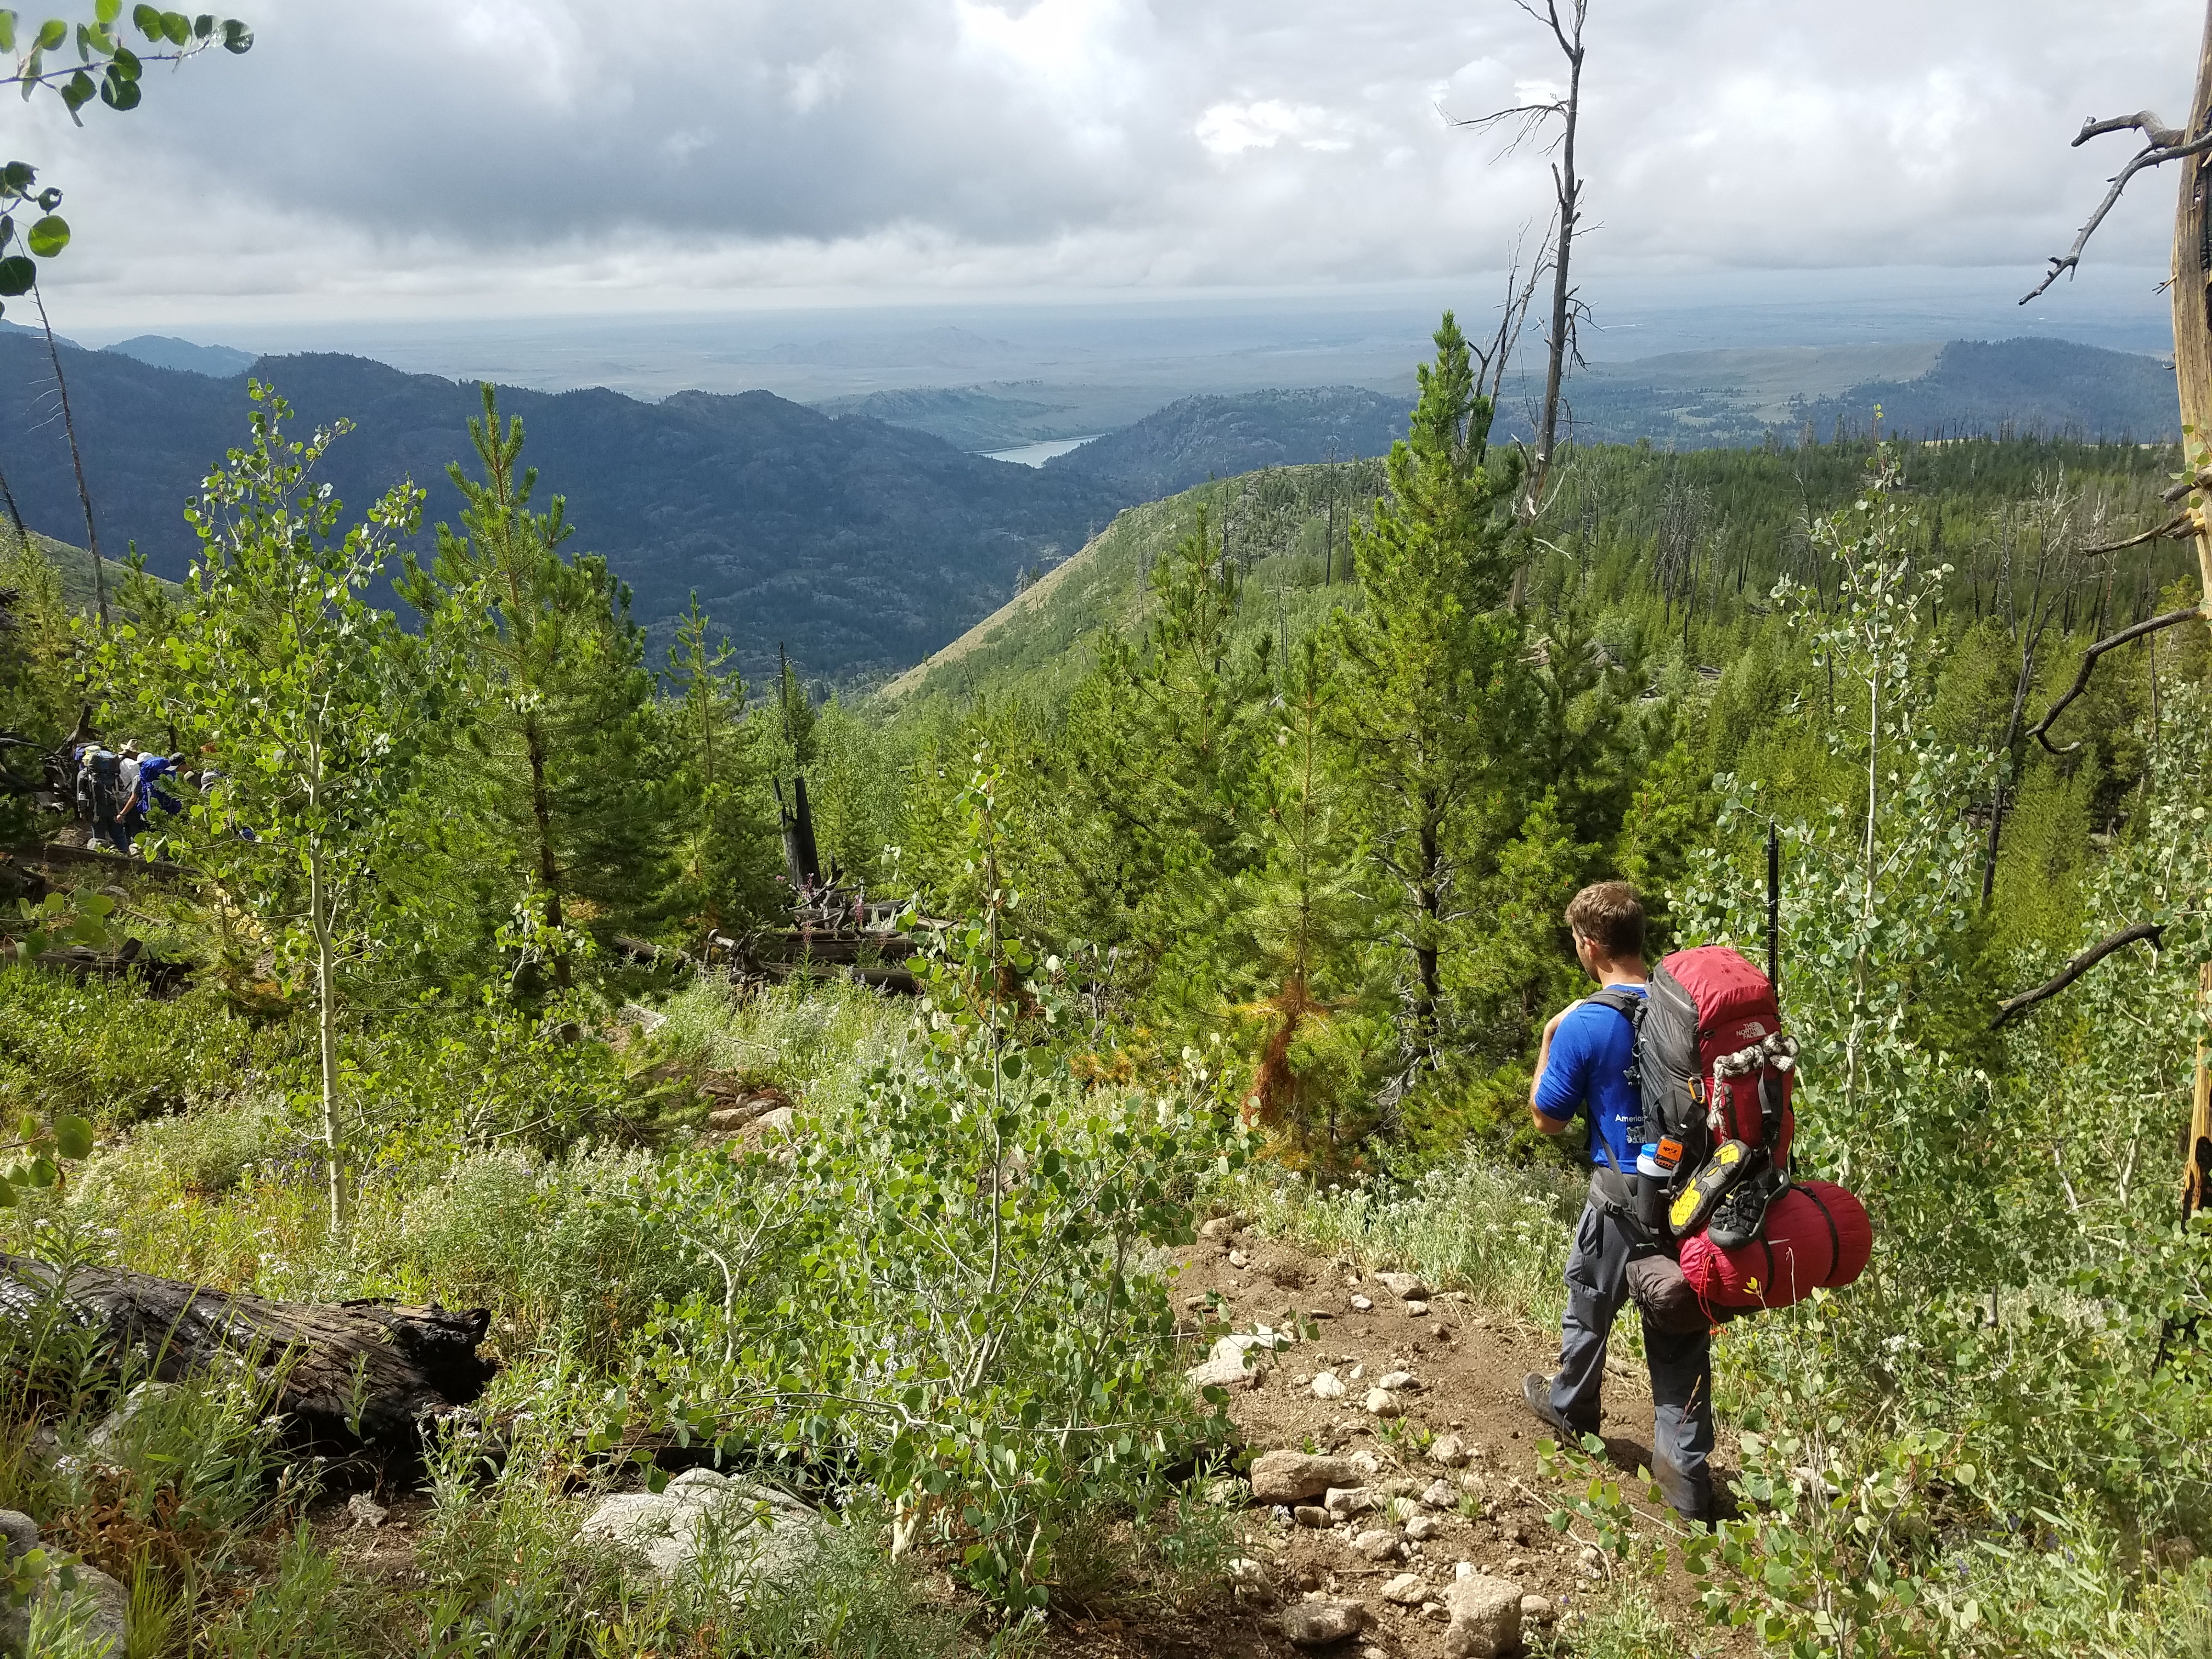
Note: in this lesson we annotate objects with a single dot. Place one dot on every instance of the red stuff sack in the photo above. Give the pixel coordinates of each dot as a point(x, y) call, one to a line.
point(1816, 1236)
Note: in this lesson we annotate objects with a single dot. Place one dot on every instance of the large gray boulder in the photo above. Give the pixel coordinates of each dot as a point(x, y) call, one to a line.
point(1292, 1477)
point(97, 1608)
point(706, 1518)
point(1485, 1618)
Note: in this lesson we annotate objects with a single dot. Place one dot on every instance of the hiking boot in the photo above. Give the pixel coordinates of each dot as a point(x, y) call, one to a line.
point(1536, 1394)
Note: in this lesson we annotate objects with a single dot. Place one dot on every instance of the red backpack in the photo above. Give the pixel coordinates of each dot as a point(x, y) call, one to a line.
point(1728, 1231)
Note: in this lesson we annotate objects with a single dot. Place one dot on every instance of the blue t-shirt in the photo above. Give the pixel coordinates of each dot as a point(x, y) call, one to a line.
point(1589, 1067)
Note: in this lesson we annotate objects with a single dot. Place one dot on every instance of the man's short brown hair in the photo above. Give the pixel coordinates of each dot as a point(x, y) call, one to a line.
point(1610, 916)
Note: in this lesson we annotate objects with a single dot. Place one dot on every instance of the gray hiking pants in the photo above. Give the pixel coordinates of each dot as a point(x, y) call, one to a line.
point(1681, 1366)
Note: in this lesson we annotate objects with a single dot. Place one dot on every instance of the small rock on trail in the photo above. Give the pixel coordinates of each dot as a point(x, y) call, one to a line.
point(1319, 1624)
point(1485, 1618)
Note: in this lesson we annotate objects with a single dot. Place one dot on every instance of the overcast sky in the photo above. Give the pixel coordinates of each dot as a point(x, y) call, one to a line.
point(456, 157)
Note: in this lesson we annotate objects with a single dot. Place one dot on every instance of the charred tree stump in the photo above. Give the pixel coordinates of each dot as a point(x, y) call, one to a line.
point(354, 1381)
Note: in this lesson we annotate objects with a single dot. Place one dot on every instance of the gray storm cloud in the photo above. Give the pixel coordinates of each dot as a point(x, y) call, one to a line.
point(543, 152)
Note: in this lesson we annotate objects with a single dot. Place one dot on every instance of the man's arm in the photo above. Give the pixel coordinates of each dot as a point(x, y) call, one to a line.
point(1543, 1120)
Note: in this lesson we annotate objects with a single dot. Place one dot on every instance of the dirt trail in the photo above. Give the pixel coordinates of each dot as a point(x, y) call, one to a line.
point(1467, 1367)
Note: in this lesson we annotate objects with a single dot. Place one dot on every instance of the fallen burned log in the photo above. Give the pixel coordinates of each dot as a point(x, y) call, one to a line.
point(353, 1381)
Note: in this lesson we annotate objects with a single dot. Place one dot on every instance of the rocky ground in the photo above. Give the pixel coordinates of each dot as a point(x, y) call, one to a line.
point(1397, 1508)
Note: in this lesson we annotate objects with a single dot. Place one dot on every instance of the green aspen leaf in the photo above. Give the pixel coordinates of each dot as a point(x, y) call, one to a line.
point(73, 1137)
point(125, 64)
point(146, 19)
point(7, 1194)
point(17, 275)
point(107, 11)
point(48, 236)
point(52, 34)
point(119, 91)
point(177, 26)
point(17, 177)
point(204, 26)
point(7, 31)
point(236, 37)
point(7, 235)
point(76, 91)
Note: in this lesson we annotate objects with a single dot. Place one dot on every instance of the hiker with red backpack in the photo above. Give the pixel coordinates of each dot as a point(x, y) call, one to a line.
point(1694, 1210)
point(1586, 1063)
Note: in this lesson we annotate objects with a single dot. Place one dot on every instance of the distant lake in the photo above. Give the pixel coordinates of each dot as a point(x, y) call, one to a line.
point(1036, 454)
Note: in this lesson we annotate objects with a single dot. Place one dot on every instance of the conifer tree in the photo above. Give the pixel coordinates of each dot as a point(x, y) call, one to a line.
point(794, 719)
point(556, 819)
point(719, 835)
point(1301, 903)
point(1434, 700)
point(1163, 747)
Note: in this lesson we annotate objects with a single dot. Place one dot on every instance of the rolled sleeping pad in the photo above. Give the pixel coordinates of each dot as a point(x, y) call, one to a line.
point(1817, 1236)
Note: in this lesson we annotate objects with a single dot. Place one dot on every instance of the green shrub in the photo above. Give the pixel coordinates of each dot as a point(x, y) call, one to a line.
point(104, 1049)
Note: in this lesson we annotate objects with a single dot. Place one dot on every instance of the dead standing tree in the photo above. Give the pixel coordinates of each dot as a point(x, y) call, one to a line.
point(1561, 117)
point(2190, 143)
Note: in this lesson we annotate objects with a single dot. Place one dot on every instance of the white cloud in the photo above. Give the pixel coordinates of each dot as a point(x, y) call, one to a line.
point(708, 151)
point(1232, 129)
point(816, 82)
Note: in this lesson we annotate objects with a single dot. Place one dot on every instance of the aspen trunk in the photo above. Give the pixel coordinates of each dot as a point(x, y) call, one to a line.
point(326, 1023)
point(2196, 1176)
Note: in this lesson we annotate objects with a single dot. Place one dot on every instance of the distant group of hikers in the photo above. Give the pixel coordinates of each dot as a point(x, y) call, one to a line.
point(116, 791)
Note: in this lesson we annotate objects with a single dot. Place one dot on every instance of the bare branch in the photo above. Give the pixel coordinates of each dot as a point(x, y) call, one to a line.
point(2079, 965)
point(2155, 154)
point(2171, 619)
point(1493, 361)
point(2180, 525)
point(1531, 118)
point(2155, 132)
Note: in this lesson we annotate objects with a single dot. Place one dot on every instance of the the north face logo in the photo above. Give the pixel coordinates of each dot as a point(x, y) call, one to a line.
point(1751, 1031)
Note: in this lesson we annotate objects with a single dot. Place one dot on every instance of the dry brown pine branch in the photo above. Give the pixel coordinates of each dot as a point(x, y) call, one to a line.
point(2079, 965)
point(2165, 144)
point(2040, 730)
point(2178, 527)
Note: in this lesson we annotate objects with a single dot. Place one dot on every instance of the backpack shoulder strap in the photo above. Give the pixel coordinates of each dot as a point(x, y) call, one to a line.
point(1626, 1003)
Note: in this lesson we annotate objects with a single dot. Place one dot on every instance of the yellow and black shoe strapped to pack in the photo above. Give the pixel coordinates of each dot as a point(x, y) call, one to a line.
point(1708, 1188)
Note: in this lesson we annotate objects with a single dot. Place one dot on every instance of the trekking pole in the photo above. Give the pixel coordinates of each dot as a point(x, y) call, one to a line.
point(1774, 910)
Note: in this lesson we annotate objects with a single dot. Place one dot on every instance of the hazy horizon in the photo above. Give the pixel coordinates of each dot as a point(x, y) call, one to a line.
point(1174, 345)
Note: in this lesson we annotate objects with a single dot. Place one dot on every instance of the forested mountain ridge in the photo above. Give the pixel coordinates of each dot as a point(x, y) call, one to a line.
point(1967, 388)
point(1720, 524)
point(1205, 437)
point(969, 416)
point(860, 545)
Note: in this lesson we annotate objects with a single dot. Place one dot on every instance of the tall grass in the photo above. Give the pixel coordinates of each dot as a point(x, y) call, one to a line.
point(1500, 1235)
